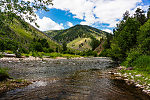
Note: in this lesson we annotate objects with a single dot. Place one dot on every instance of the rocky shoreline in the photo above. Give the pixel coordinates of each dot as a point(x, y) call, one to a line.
point(11, 84)
point(129, 78)
point(31, 58)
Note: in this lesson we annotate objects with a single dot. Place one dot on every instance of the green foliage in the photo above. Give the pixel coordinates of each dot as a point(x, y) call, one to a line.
point(20, 35)
point(64, 46)
point(89, 53)
point(107, 42)
point(144, 38)
point(132, 56)
point(18, 54)
point(44, 43)
point(35, 54)
point(10, 8)
point(148, 13)
point(1, 55)
point(140, 16)
point(36, 46)
point(78, 32)
point(3, 74)
point(131, 39)
point(94, 43)
point(40, 45)
point(125, 38)
point(142, 63)
point(8, 44)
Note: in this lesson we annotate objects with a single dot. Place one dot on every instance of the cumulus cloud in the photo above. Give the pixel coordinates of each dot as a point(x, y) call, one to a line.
point(47, 24)
point(108, 30)
point(69, 24)
point(93, 11)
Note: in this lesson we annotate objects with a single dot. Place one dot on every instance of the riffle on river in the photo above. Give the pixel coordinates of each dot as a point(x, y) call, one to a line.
point(69, 79)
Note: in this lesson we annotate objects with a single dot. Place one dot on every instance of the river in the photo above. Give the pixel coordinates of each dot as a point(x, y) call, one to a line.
point(69, 79)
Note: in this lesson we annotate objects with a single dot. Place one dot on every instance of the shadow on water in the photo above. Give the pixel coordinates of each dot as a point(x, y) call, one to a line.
point(72, 80)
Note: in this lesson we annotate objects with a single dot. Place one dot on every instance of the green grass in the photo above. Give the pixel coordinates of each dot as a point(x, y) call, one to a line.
point(75, 44)
point(24, 34)
point(141, 66)
point(9, 51)
point(140, 77)
point(51, 55)
point(54, 55)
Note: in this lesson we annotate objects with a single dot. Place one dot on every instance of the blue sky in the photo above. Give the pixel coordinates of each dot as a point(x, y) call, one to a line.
point(101, 14)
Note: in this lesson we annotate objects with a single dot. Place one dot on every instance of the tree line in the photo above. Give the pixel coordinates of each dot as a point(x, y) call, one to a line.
point(130, 39)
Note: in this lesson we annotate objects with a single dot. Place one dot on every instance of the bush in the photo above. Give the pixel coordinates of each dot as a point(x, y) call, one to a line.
point(1, 56)
point(18, 54)
point(132, 56)
point(142, 63)
point(40, 54)
point(35, 54)
point(89, 53)
point(3, 74)
point(104, 53)
point(48, 50)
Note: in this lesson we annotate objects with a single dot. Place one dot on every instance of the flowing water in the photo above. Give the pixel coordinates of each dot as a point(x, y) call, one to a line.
point(69, 79)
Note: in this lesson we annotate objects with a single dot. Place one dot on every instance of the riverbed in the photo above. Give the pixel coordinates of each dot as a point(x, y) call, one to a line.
point(69, 79)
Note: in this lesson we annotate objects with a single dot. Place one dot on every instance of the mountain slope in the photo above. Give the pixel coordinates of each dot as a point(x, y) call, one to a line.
point(78, 37)
point(23, 33)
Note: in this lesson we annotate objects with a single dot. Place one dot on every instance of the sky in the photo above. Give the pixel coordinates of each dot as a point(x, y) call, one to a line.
point(101, 14)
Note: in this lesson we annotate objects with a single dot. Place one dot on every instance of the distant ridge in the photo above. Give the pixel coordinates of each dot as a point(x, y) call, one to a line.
point(77, 37)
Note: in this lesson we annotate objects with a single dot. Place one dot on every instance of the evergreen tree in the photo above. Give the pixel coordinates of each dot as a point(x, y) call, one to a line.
point(148, 13)
point(64, 46)
point(140, 16)
point(126, 15)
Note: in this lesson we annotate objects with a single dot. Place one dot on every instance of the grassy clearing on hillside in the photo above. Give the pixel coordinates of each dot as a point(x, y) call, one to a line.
point(75, 44)
point(24, 34)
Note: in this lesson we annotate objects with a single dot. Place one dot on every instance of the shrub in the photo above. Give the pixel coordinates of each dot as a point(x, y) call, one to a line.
point(1, 56)
point(89, 53)
point(132, 56)
point(3, 74)
point(35, 54)
point(18, 54)
point(142, 63)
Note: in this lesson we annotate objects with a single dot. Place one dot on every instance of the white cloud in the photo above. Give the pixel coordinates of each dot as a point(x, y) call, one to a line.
point(69, 24)
point(106, 11)
point(108, 30)
point(47, 24)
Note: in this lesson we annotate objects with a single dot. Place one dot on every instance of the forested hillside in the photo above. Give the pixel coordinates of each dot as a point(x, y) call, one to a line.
point(16, 34)
point(81, 37)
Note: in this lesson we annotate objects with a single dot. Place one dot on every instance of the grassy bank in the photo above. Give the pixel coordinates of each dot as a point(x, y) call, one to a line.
point(11, 84)
point(7, 84)
point(138, 72)
point(50, 55)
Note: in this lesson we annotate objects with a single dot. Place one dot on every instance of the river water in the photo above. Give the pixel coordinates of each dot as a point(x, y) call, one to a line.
point(69, 79)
